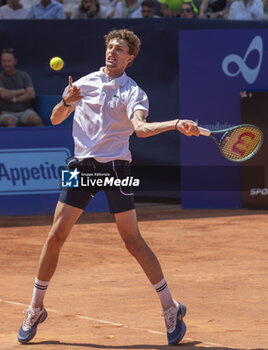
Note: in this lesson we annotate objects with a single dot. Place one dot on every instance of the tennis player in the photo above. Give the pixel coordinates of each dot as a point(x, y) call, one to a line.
point(109, 106)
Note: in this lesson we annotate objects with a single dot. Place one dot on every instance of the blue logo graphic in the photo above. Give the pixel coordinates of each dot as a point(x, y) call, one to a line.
point(70, 178)
point(249, 74)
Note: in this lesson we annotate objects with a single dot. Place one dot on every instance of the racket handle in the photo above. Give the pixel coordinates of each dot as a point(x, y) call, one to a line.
point(204, 132)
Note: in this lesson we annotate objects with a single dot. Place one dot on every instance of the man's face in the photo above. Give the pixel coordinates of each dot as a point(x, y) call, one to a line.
point(117, 55)
point(8, 62)
point(13, 3)
point(89, 5)
point(186, 11)
point(168, 13)
point(147, 11)
point(45, 2)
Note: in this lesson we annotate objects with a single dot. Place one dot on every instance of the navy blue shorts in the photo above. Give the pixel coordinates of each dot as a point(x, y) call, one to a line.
point(120, 198)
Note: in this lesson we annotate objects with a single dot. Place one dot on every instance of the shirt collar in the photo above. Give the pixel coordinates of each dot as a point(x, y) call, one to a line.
point(120, 80)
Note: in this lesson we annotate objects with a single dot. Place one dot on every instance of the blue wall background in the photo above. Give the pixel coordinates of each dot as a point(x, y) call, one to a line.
point(211, 94)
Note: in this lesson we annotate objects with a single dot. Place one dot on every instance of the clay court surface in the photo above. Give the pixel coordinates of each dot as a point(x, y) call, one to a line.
point(216, 262)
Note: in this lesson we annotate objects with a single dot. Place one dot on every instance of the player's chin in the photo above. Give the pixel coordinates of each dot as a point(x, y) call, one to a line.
point(110, 64)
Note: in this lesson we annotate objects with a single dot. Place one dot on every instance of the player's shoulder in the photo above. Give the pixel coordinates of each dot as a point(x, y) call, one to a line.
point(131, 82)
point(133, 86)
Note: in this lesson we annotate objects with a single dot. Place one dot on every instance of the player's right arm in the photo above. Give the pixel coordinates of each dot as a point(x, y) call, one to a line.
point(144, 129)
point(60, 111)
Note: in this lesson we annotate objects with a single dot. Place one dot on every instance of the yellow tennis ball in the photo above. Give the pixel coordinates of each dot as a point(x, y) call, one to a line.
point(56, 63)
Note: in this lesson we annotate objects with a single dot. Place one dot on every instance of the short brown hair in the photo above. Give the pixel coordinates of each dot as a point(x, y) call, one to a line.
point(130, 37)
point(8, 50)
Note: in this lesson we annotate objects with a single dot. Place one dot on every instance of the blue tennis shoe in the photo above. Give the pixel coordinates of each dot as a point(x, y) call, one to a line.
point(176, 328)
point(29, 326)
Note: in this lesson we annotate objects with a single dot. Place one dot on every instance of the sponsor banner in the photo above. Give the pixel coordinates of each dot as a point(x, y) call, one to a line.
point(31, 163)
point(255, 105)
point(214, 67)
point(258, 192)
point(31, 170)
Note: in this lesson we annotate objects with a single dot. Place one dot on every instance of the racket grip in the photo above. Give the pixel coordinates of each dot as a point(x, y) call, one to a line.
point(204, 132)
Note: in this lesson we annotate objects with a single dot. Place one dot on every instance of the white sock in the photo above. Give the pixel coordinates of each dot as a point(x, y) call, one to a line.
point(164, 294)
point(39, 291)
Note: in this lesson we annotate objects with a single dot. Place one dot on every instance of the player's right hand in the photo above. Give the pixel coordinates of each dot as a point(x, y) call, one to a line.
point(188, 127)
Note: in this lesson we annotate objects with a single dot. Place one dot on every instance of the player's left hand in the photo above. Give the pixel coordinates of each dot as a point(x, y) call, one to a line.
point(73, 94)
point(188, 127)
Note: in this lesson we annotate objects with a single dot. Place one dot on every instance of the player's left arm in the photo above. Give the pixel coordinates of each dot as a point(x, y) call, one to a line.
point(144, 129)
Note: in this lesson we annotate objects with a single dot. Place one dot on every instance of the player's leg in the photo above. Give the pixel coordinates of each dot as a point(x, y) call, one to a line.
point(122, 205)
point(64, 219)
point(30, 118)
point(7, 119)
point(135, 244)
point(72, 203)
point(128, 228)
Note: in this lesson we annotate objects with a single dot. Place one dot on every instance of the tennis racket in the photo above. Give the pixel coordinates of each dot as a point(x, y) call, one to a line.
point(238, 143)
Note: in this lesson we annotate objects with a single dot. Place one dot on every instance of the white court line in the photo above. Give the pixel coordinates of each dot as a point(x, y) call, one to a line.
point(100, 321)
point(207, 344)
point(90, 318)
point(119, 325)
point(26, 305)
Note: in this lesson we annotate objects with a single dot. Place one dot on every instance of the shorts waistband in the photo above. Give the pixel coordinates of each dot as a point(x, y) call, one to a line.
point(94, 162)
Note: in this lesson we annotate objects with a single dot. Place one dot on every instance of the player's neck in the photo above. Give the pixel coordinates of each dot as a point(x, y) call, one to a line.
point(112, 73)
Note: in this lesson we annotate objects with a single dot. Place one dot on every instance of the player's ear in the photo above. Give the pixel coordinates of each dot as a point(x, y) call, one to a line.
point(131, 59)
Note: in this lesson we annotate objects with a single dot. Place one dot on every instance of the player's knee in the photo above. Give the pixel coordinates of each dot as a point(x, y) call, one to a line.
point(55, 241)
point(135, 245)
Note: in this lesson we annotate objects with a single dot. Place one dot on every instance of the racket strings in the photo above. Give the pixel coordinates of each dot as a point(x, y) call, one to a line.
point(241, 143)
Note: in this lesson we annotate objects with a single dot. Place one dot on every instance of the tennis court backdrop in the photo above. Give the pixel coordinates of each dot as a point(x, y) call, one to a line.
point(179, 67)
